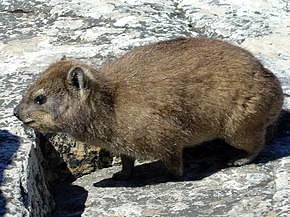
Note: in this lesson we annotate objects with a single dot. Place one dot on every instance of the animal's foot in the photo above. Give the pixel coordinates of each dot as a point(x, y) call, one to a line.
point(243, 161)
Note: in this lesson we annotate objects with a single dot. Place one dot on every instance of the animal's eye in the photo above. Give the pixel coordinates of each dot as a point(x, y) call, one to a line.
point(40, 99)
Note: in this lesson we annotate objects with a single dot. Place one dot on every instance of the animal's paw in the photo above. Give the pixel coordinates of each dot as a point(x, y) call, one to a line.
point(244, 160)
point(240, 162)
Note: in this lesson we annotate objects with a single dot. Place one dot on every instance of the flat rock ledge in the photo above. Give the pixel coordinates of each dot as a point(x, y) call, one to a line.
point(37, 33)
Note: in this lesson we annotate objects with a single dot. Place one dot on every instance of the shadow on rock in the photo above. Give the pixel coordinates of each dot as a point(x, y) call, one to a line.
point(71, 201)
point(207, 159)
point(279, 146)
point(56, 169)
point(9, 144)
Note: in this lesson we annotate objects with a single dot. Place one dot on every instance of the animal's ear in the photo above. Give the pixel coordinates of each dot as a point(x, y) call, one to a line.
point(77, 78)
point(63, 57)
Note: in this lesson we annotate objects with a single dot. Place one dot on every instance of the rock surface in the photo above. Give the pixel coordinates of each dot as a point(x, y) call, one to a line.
point(36, 33)
point(78, 157)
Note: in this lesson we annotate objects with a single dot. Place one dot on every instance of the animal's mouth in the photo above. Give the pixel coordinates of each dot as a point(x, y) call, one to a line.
point(28, 122)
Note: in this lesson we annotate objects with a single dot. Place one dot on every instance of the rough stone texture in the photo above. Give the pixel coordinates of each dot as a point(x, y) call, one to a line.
point(24, 190)
point(36, 33)
point(78, 157)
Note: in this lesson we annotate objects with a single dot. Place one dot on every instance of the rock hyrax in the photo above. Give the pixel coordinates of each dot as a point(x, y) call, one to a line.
point(157, 99)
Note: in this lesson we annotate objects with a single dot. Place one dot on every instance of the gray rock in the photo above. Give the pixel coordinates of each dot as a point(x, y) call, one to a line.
point(67, 159)
point(36, 33)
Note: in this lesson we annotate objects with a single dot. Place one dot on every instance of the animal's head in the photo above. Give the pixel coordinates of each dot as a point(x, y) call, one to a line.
point(58, 99)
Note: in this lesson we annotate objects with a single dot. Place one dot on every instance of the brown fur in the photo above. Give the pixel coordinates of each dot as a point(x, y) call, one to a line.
point(159, 98)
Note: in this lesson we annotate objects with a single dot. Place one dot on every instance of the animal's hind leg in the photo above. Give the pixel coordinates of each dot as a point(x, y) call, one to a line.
point(251, 141)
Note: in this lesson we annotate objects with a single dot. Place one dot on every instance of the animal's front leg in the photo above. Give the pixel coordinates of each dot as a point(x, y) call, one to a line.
point(127, 168)
point(174, 162)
